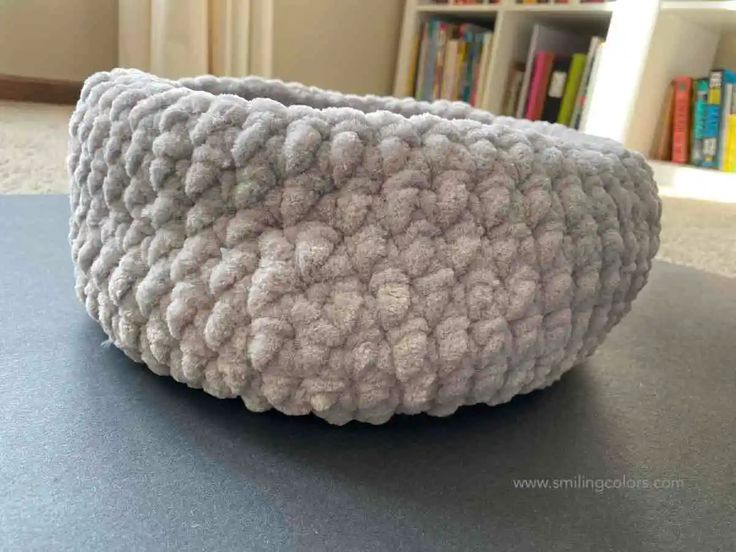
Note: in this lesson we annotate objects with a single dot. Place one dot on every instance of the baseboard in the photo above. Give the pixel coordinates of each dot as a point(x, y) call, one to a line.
point(26, 89)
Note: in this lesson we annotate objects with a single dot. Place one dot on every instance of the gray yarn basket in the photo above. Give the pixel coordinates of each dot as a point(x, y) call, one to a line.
point(348, 256)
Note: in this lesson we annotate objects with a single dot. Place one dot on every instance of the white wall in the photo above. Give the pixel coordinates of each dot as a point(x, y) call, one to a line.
point(57, 39)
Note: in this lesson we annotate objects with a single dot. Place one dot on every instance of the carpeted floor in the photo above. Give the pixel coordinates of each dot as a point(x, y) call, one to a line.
point(33, 148)
point(32, 161)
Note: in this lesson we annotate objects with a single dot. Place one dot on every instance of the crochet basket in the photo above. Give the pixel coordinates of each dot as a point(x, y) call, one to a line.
point(349, 256)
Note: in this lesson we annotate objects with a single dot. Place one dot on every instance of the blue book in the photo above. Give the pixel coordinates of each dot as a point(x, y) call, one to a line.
point(700, 100)
point(712, 128)
point(473, 35)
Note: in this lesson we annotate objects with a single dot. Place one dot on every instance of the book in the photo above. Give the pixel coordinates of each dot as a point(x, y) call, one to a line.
point(713, 107)
point(599, 53)
point(700, 100)
point(711, 130)
point(585, 80)
point(727, 108)
point(547, 39)
point(439, 60)
point(421, 62)
point(556, 88)
point(428, 65)
point(477, 69)
point(681, 119)
point(511, 95)
point(466, 61)
point(543, 62)
point(481, 84)
point(577, 65)
point(730, 150)
point(411, 82)
point(662, 142)
point(474, 37)
point(449, 59)
point(449, 70)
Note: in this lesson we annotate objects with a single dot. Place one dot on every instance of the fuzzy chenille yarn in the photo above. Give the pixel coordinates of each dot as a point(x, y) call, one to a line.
point(349, 256)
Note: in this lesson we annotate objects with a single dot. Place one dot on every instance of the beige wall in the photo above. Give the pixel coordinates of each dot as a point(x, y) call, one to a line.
point(57, 39)
point(345, 45)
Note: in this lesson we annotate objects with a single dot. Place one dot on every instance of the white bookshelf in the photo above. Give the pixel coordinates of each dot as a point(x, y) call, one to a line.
point(648, 42)
point(512, 28)
point(688, 38)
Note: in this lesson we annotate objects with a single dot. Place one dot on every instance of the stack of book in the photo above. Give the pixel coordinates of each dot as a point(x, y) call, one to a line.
point(697, 124)
point(451, 61)
point(556, 79)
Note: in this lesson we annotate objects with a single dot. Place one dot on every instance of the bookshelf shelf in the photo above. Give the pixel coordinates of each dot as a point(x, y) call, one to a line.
point(690, 182)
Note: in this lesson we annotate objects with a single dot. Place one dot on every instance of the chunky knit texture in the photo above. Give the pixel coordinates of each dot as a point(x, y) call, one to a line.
point(349, 256)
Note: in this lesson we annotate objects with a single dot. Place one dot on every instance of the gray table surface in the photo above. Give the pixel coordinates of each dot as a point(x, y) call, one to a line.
point(98, 453)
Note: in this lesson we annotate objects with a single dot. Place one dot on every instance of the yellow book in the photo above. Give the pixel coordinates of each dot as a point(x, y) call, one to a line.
point(730, 145)
point(462, 54)
point(411, 81)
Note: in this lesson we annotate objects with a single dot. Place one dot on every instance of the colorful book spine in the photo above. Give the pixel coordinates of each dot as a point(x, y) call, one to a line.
point(681, 120)
point(538, 88)
point(450, 61)
point(577, 66)
point(473, 44)
point(700, 100)
point(712, 130)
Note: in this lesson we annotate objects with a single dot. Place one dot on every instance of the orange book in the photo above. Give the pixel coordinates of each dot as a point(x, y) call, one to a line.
point(681, 119)
point(662, 143)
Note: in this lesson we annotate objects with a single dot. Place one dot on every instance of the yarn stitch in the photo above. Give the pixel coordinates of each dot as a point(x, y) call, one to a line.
point(349, 256)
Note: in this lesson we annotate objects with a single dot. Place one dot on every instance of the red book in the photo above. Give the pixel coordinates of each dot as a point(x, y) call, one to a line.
point(538, 88)
point(681, 119)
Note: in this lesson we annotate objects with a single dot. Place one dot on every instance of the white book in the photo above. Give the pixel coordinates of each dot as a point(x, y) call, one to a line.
point(422, 63)
point(547, 39)
point(591, 85)
point(483, 72)
point(584, 81)
point(449, 70)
